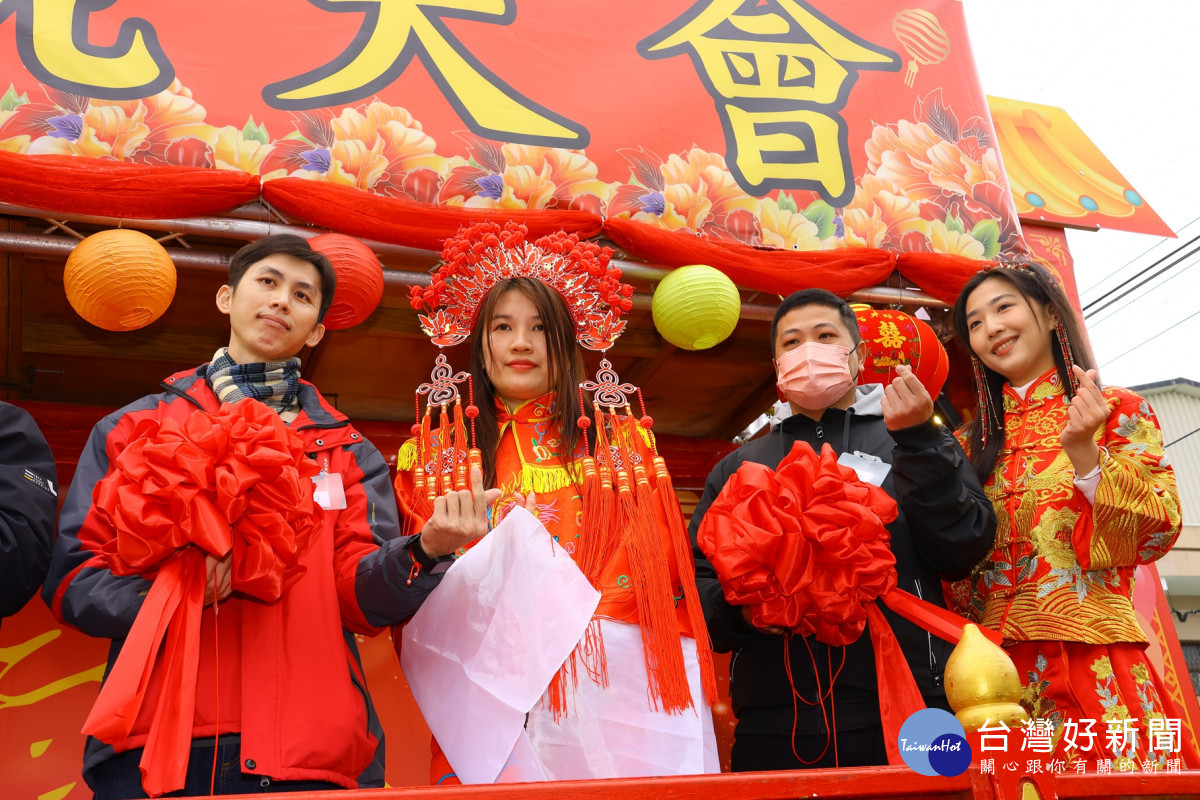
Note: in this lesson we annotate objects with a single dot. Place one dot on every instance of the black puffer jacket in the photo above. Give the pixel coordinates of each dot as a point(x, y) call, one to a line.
point(28, 507)
point(945, 526)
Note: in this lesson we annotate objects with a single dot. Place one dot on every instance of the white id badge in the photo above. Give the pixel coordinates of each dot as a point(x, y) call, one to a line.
point(328, 492)
point(871, 469)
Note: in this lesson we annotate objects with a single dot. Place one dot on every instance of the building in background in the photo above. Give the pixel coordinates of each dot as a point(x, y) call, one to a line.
point(1177, 404)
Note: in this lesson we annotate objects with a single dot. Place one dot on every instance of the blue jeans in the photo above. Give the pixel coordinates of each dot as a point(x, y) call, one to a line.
point(119, 778)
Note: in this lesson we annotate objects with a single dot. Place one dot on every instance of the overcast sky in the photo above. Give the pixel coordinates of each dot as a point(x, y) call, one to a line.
point(1126, 71)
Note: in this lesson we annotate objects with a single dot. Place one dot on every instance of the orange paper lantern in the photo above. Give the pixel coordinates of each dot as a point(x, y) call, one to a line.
point(359, 279)
point(895, 338)
point(119, 280)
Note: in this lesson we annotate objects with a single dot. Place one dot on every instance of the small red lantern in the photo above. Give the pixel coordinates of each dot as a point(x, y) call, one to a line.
point(359, 279)
point(894, 338)
point(119, 279)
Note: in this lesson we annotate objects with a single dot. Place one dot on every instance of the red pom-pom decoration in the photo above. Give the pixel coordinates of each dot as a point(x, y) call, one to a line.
point(472, 412)
point(584, 422)
point(647, 422)
point(805, 546)
point(359, 279)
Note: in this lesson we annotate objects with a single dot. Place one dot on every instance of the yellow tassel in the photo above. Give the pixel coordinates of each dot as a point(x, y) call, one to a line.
point(544, 480)
point(406, 459)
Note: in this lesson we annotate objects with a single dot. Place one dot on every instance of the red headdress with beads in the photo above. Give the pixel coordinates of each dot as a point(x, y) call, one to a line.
point(481, 255)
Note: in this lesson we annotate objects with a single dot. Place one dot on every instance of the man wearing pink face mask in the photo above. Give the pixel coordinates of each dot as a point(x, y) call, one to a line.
point(945, 526)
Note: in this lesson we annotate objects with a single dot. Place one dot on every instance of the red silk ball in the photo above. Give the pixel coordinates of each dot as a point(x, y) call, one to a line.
point(894, 338)
point(359, 279)
point(119, 279)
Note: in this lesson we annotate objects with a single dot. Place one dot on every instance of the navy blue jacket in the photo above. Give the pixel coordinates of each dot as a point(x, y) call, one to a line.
point(28, 505)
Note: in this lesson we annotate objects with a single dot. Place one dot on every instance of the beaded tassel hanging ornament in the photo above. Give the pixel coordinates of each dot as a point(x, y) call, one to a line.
point(620, 505)
point(444, 459)
point(1068, 356)
point(619, 500)
point(985, 408)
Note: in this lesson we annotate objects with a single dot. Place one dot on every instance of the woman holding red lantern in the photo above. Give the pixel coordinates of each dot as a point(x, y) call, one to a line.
point(590, 476)
point(1083, 493)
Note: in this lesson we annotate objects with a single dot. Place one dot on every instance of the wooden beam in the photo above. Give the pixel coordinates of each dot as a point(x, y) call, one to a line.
point(147, 344)
point(758, 400)
point(644, 369)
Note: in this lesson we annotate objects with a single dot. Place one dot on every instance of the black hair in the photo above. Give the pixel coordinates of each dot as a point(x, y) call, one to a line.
point(289, 245)
point(816, 297)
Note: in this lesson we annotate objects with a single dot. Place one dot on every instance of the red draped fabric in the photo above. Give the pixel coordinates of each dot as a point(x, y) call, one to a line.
point(133, 191)
point(407, 222)
point(777, 271)
point(115, 189)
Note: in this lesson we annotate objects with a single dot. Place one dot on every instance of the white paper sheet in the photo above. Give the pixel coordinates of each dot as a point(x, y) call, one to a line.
point(612, 732)
point(484, 645)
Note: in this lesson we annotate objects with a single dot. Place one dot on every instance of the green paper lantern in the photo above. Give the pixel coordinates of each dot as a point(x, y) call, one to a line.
point(696, 307)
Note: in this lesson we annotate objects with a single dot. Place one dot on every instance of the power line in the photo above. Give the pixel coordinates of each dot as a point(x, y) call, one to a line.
point(1148, 290)
point(1090, 309)
point(1151, 339)
point(1158, 244)
point(1145, 252)
point(1181, 438)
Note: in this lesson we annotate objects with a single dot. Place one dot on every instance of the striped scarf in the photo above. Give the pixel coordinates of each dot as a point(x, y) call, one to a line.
point(275, 383)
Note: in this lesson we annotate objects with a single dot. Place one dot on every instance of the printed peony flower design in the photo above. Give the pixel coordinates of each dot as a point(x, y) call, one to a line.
point(375, 147)
point(804, 546)
point(950, 171)
point(524, 176)
point(930, 184)
point(786, 227)
point(692, 190)
point(880, 215)
point(166, 129)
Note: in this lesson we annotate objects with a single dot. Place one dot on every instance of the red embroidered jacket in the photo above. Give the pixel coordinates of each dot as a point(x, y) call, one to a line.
point(1062, 569)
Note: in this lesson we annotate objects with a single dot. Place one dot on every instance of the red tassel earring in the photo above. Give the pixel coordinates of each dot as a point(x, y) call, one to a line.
point(1068, 355)
point(985, 408)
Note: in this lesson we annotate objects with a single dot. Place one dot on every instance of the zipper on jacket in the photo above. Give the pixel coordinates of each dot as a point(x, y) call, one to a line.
point(362, 690)
point(933, 663)
point(819, 431)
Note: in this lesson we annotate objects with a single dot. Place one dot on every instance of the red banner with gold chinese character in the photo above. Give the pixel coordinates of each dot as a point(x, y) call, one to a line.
point(794, 125)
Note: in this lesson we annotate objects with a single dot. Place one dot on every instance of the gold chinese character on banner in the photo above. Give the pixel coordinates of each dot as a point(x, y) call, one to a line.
point(396, 31)
point(779, 72)
point(53, 42)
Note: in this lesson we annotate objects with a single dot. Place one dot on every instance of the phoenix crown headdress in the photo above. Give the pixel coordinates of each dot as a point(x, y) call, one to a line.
point(479, 256)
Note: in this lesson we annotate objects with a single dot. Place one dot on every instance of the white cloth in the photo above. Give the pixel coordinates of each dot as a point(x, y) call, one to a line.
point(484, 646)
point(612, 732)
point(486, 642)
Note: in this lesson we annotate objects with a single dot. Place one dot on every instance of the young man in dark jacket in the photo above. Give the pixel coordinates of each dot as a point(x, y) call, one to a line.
point(28, 504)
point(945, 525)
point(279, 684)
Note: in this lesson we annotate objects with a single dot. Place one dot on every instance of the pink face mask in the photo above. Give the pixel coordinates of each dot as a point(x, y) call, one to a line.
point(814, 375)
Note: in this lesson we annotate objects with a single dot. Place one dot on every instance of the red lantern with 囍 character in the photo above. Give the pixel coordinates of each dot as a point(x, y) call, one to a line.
point(894, 338)
point(359, 279)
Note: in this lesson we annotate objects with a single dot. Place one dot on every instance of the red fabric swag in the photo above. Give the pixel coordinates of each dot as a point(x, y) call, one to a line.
point(116, 189)
point(407, 222)
point(777, 271)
